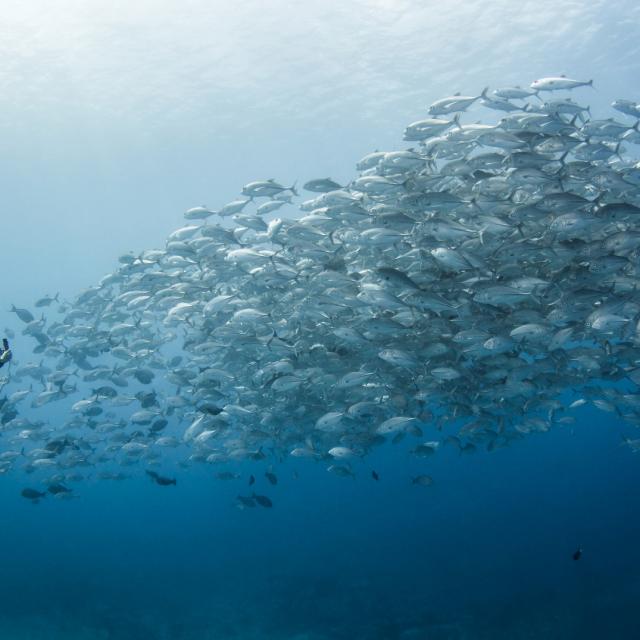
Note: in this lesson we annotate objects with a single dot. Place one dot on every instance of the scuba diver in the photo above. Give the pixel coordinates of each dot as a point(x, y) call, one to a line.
point(5, 354)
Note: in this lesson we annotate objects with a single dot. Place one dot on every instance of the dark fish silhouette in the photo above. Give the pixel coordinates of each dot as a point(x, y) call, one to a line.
point(263, 501)
point(105, 392)
point(209, 408)
point(271, 477)
point(577, 554)
point(251, 480)
point(58, 446)
point(24, 314)
point(47, 300)
point(32, 494)
point(158, 425)
point(147, 399)
point(57, 488)
point(375, 476)
point(161, 480)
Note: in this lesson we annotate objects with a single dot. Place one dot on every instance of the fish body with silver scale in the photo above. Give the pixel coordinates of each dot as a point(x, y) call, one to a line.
point(475, 276)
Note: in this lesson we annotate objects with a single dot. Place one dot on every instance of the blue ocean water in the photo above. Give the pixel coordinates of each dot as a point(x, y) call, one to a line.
point(117, 118)
point(486, 552)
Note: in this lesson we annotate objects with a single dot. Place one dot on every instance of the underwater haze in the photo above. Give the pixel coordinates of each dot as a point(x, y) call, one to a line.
point(400, 402)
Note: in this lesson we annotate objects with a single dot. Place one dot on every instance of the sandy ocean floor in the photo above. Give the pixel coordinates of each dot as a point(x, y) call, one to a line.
point(514, 621)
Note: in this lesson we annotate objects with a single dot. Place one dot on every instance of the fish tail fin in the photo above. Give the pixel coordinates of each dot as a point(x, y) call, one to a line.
point(293, 189)
point(474, 203)
point(271, 339)
point(617, 150)
point(590, 84)
point(483, 94)
point(456, 121)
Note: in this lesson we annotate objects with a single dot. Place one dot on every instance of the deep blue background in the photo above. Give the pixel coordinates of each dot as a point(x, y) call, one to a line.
point(486, 552)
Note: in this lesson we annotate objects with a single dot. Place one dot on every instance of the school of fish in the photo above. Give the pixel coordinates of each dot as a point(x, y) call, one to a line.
point(469, 290)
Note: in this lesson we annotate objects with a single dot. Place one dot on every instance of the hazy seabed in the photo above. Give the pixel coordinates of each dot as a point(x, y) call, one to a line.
point(310, 609)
